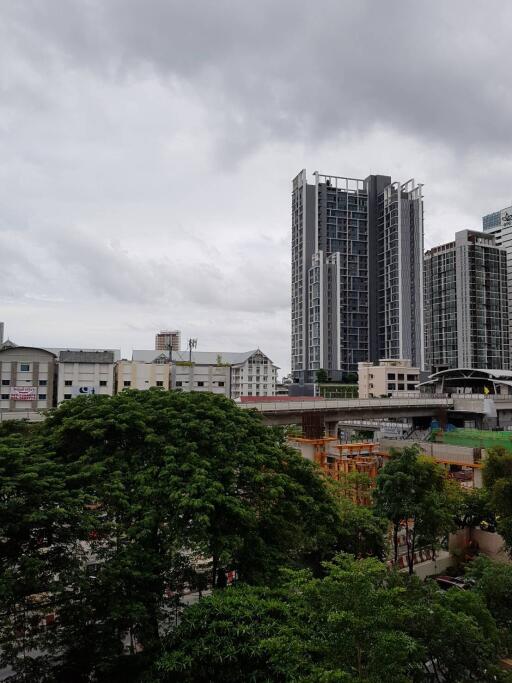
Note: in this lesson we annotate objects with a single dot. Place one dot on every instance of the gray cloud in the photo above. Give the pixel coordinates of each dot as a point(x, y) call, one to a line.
point(288, 69)
point(148, 147)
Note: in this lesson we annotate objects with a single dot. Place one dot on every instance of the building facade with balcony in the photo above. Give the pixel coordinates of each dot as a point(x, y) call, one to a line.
point(357, 273)
point(466, 304)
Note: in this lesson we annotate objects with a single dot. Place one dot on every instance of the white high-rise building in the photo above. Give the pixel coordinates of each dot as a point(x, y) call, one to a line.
point(357, 273)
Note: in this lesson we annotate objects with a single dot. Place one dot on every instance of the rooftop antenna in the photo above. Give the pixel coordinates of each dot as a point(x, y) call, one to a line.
point(192, 344)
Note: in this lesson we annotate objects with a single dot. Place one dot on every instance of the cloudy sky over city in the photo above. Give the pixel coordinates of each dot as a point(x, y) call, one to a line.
point(148, 147)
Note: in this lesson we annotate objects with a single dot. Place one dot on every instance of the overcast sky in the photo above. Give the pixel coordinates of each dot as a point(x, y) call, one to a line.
point(148, 147)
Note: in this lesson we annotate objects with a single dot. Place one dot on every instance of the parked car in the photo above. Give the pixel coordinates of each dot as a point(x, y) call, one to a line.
point(447, 582)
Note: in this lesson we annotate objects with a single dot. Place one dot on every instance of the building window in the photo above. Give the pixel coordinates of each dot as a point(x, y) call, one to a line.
point(24, 367)
point(411, 387)
point(103, 382)
point(43, 382)
point(68, 383)
point(5, 397)
point(401, 387)
point(221, 384)
point(159, 383)
point(200, 384)
point(127, 383)
point(401, 376)
point(6, 382)
point(391, 375)
point(66, 396)
point(42, 397)
point(179, 384)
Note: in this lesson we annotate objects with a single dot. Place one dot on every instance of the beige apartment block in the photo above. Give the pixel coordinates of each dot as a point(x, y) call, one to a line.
point(27, 378)
point(197, 377)
point(391, 377)
point(141, 375)
point(85, 372)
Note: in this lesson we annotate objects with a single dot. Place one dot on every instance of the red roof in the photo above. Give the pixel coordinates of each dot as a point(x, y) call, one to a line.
point(275, 399)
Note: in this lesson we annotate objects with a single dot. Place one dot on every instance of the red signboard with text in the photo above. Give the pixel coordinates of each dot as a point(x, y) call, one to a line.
point(23, 393)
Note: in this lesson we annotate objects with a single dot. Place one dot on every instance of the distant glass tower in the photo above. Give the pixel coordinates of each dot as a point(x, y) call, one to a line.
point(466, 304)
point(357, 273)
point(499, 224)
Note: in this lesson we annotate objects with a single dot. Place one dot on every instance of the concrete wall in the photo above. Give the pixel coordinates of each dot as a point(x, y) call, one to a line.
point(490, 544)
point(433, 567)
point(455, 454)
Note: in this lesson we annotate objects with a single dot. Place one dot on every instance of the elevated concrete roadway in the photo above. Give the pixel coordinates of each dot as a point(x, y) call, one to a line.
point(334, 410)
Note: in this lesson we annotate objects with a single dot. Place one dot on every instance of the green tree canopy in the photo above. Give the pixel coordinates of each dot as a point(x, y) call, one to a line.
point(321, 376)
point(142, 488)
point(498, 480)
point(359, 623)
point(412, 492)
point(494, 583)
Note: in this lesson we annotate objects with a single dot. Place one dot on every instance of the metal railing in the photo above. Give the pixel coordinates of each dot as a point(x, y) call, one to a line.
point(347, 403)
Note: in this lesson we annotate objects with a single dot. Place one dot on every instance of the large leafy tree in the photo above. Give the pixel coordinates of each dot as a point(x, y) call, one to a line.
point(412, 492)
point(498, 480)
point(162, 481)
point(493, 580)
point(358, 623)
point(40, 524)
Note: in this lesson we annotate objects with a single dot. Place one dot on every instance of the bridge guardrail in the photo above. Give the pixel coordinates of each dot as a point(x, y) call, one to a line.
point(336, 404)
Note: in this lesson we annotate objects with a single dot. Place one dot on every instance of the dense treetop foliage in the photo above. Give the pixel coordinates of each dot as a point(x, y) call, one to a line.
point(358, 623)
point(113, 506)
point(498, 481)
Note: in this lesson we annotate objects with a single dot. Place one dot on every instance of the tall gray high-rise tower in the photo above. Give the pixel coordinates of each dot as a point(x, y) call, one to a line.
point(499, 224)
point(466, 306)
point(357, 273)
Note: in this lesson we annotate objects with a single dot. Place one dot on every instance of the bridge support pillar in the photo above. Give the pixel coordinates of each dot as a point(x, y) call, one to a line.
point(331, 428)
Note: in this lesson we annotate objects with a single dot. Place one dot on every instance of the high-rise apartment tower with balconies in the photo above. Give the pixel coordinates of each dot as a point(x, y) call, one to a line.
point(357, 273)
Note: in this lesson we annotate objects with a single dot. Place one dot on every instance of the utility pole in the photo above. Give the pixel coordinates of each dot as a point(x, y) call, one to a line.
point(192, 344)
point(169, 348)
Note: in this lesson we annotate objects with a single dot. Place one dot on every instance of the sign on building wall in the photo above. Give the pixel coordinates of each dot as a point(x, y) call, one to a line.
point(84, 391)
point(23, 393)
point(506, 218)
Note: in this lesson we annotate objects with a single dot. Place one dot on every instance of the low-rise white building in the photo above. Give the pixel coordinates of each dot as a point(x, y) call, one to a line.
point(233, 374)
point(142, 375)
point(253, 374)
point(82, 372)
point(391, 377)
point(200, 374)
